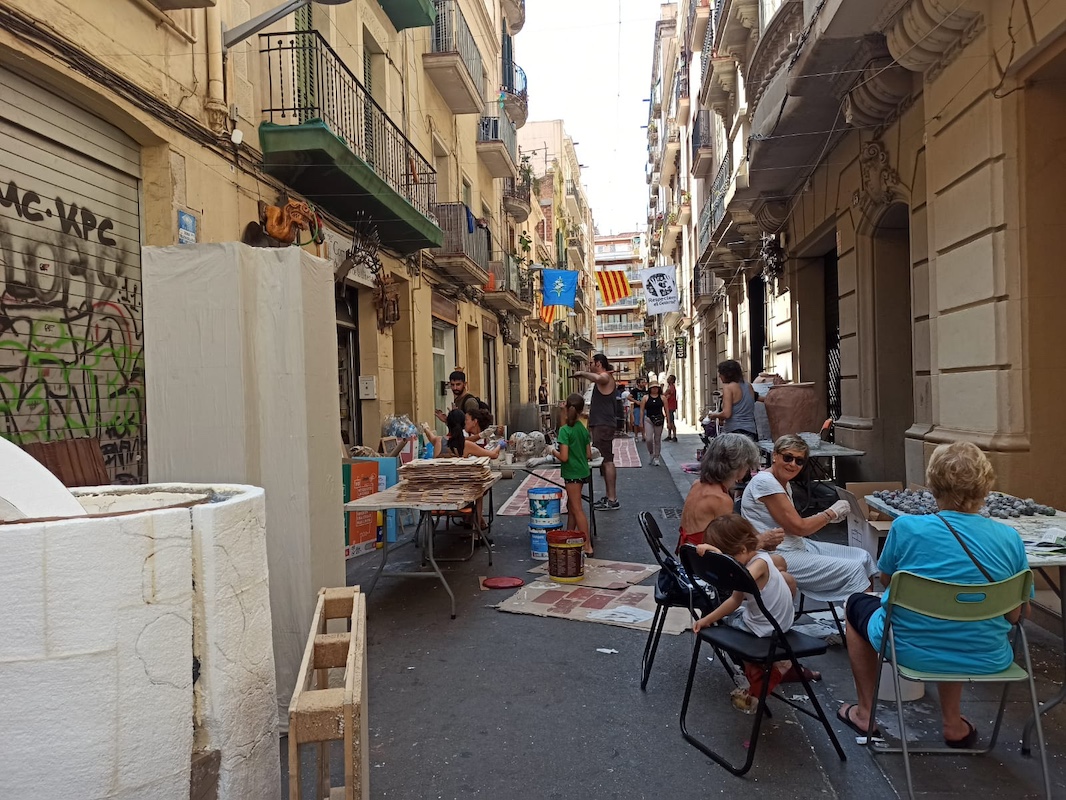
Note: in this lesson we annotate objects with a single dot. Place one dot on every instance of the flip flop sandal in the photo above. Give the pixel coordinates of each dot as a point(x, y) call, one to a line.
point(845, 717)
point(966, 742)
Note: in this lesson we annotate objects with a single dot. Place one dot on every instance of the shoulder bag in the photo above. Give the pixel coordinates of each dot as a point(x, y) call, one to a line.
point(958, 538)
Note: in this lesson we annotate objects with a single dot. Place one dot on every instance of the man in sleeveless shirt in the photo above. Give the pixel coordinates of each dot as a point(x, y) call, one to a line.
point(602, 425)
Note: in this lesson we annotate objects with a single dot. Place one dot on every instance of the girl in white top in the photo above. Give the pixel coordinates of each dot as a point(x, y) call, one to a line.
point(734, 536)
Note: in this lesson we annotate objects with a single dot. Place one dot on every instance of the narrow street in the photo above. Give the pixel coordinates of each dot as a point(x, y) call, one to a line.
point(494, 704)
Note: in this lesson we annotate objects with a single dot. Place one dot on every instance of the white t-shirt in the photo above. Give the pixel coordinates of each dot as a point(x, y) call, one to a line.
point(625, 398)
point(755, 511)
point(775, 596)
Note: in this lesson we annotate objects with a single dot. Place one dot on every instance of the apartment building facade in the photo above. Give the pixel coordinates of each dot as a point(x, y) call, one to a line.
point(564, 235)
point(159, 122)
point(876, 217)
point(620, 326)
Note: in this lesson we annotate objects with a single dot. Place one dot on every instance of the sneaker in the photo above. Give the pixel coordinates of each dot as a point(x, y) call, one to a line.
point(655, 461)
point(603, 504)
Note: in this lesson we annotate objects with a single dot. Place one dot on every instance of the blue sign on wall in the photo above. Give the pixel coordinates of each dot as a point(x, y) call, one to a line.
point(186, 228)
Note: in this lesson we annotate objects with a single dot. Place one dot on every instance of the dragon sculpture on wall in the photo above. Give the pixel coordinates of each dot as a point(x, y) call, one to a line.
point(279, 226)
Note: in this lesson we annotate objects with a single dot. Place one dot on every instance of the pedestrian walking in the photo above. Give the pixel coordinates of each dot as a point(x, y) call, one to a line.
point(671, 407)
point(574, 451)
point(602, 426)
point(653, 411)
point(636, 395)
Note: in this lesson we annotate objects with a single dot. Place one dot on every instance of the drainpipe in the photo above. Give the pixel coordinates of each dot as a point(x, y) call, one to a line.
point(215, 106)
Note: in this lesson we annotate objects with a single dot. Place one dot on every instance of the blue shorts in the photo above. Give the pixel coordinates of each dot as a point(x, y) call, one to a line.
point(637, 417)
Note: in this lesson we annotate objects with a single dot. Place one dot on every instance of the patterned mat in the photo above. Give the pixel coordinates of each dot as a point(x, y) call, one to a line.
point(517, 505)
point(625, 453)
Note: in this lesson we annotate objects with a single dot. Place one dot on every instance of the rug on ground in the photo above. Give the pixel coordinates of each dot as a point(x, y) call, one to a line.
point(602, 573)
point(632, 607)
point(625, 453)
point(517, 505)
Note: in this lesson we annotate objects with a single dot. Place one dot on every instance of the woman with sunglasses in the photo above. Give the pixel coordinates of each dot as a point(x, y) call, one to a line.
point(825, 571)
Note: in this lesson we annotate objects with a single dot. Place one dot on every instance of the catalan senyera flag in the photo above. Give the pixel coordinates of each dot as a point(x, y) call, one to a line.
point(614, 285)
point(548, 314)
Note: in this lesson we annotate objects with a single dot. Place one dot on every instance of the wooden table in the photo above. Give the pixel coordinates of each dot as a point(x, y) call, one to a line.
point(447, 498)
point(1027, 527)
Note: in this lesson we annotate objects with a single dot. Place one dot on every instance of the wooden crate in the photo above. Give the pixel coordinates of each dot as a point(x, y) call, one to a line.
point(320, 714)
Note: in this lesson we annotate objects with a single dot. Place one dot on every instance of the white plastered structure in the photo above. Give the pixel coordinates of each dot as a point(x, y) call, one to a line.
point(241, 345)
point(103, 616)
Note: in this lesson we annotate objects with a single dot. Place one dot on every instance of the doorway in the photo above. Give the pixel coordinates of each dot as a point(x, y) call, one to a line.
point(831, 286)
point(443, 364)
point(757, 340)
point(893, 372)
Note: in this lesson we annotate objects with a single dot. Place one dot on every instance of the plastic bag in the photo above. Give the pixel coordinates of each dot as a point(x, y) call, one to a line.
point(399, 426)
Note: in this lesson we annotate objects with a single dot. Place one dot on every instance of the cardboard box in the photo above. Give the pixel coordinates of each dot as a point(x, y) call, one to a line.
point(360, 527)
point(388, 476)
point(861, 489)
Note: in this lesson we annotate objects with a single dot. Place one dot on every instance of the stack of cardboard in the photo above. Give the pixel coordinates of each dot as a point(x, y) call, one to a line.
point(431, 476)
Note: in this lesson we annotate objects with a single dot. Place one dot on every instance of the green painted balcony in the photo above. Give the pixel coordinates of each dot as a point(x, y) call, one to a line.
point(326, 138)
point(409, 13)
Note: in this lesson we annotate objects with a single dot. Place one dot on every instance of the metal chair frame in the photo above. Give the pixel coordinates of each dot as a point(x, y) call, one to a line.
point(727, 576)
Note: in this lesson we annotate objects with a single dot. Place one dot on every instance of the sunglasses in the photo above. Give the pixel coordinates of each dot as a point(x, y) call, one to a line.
point(788, 458)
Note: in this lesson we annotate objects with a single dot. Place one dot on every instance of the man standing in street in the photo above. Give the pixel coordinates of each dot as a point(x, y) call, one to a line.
point(542, 394)
point(463, 399)
point(602, 425)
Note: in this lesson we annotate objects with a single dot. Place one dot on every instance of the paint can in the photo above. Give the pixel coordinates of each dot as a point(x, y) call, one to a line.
point(545, 507)
point(538, 543)
point(566, 562)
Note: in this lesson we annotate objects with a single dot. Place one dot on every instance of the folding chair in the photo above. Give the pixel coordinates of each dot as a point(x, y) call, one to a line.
point(957, 603)
point(672, 590)
point(727, 576)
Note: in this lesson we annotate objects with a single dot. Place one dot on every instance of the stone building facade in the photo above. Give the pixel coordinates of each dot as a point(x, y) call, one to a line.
point(158, 122)
point(878, 217)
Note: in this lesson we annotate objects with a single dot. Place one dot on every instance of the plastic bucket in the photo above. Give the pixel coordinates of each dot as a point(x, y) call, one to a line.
point(565, 560)
point(886, 691)
point(545, 507)
point(538, 543)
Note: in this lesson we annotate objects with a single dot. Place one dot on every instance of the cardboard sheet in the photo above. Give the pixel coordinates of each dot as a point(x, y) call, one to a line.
point(605, 574)
point(629, 608)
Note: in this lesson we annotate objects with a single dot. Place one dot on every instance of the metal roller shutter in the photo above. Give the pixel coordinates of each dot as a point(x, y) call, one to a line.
point(71, 349)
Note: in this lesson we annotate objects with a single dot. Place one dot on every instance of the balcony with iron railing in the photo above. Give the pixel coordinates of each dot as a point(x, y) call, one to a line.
point(326, 138)
point(454, 63)
point(515, 93)
point(516, 198)
point(576, 247)
point(703, 144)
point(575, 204)
point(497, 146)
point(464, 254)
point(699, 17)
point(704, 286)
point(619, 328)
point(509, 287)
point(682, 98)
point(403, 14)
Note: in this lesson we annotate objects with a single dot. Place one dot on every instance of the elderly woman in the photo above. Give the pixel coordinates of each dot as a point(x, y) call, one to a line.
point(729, 458)
point(960, 477)
point(822, 570)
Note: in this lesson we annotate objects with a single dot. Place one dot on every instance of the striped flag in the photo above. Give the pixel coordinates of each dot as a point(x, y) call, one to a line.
point(614, 285)
point(547, 314)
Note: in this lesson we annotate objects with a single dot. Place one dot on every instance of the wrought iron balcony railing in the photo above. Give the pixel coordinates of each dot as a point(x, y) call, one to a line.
point(307, 80)
point(514, 79)
point(451, 34)
point(492, 129)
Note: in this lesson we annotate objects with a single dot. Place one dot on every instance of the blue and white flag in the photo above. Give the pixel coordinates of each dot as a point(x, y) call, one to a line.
point(660, 289)
point(560, 287)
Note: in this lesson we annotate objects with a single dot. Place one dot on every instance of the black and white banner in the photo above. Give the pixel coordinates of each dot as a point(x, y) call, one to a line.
point(660, 289)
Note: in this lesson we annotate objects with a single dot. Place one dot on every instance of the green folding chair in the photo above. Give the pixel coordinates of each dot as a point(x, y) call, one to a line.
point(957, 603)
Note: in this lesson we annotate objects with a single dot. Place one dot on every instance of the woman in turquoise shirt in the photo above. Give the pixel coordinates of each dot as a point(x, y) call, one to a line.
point(960, 476)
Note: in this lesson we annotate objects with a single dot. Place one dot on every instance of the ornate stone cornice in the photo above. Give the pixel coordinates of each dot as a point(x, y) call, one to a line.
point(925, 35)
point(882, 89)
point(778, 43)
point(881, 186)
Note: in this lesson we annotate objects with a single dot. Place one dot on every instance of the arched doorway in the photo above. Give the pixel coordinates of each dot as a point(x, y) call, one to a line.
point(893, 371)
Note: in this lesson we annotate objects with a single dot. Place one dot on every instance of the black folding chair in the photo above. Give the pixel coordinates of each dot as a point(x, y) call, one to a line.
point(673, 589)
point(727, 576)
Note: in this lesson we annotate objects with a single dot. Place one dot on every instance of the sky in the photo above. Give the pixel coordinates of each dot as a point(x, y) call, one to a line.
point(588, 63)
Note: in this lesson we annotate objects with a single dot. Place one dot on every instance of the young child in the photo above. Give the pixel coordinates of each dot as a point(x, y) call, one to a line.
point(734, 536)
point(574, 451)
